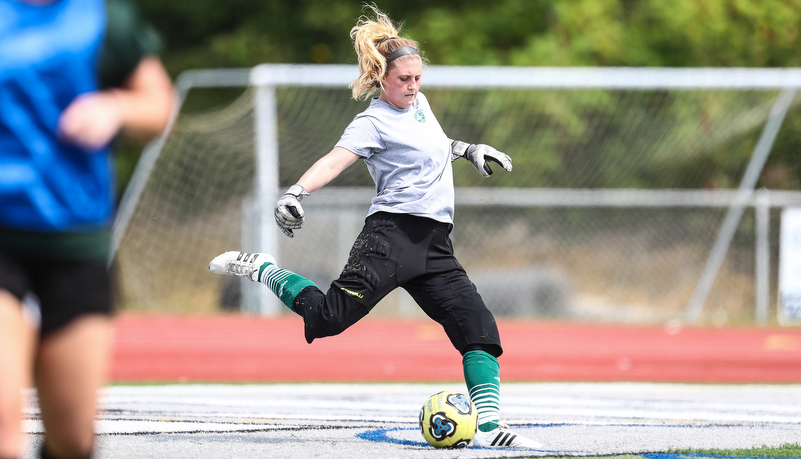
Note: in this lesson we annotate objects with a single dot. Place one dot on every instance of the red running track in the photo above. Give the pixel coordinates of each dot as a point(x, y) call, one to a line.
point(238, 348)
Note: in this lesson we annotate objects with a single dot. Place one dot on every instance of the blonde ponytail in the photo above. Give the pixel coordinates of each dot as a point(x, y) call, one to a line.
point(374, 40)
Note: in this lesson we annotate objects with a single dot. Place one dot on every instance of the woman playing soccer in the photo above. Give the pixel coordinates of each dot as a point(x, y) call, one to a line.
point(405, 240)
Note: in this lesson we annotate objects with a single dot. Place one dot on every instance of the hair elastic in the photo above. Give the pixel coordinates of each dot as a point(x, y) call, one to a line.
point(404, 51)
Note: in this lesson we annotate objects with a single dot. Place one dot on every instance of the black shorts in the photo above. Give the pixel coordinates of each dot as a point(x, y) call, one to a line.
point(416, 254)
point(65, 289)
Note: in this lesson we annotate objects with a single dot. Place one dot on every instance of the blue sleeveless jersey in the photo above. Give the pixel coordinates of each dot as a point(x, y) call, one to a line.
point(48, 56)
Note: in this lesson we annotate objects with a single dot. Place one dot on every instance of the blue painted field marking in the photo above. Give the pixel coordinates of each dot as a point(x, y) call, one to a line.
point(382, 436)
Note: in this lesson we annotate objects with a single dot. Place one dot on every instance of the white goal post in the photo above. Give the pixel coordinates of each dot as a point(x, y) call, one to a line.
point(781, 85)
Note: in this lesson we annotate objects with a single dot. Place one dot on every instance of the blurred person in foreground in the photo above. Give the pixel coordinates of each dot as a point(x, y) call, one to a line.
point(73, 74)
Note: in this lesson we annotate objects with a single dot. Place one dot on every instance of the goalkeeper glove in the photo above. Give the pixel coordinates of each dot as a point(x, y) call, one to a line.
point(480, 155)
point(288, 212)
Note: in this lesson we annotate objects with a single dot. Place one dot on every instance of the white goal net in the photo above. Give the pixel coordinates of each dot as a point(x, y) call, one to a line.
point(636, 195)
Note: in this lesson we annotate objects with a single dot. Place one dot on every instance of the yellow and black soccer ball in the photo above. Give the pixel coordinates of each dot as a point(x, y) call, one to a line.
point(448, 419)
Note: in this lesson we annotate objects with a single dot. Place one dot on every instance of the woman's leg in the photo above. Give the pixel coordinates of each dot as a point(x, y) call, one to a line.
point(482, 377)
point(368, 276)
point(452, 301)
point(447, 295)
point(16, 354)
point(71, 365)
point(324, 314)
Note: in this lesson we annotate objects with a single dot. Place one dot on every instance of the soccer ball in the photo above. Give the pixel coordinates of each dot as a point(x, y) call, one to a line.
point(448, 419)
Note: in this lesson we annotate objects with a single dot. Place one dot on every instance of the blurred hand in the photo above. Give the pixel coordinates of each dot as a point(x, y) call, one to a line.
point(92, 120)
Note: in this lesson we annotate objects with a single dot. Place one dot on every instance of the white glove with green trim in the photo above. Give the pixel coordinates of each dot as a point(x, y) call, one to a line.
point(479, 155)
point(288, 212)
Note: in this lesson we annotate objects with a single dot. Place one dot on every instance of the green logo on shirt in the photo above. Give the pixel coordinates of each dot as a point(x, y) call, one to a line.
point(420, 116)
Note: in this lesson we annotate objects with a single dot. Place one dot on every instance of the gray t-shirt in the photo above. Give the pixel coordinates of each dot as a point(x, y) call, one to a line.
point(408, 156)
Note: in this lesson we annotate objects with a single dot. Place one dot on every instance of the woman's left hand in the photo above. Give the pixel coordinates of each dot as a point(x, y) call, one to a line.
point(479, 155)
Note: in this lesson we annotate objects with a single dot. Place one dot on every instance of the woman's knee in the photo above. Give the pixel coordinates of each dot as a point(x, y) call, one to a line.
point(328, 314)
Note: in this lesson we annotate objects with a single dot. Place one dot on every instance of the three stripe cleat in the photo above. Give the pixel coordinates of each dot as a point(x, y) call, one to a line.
point(502, 437)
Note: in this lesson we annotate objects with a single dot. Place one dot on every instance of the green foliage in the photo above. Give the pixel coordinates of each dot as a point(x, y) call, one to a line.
point(682, 33)
point(719, 33)
point(243, 33)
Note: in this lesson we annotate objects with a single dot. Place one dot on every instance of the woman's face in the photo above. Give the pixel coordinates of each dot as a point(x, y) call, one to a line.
point(402, 82)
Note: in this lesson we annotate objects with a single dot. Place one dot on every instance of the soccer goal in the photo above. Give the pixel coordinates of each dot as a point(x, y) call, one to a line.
point(636, 195)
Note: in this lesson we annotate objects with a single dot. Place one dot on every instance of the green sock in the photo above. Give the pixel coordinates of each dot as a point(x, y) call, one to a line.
point(482, 376)
point(284, 283)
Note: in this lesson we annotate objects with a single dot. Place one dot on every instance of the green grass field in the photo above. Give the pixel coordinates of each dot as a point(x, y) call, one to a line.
point(789, 450)
point(786, 450)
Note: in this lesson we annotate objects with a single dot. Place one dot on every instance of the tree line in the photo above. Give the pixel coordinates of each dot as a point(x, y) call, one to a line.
point(679, 33)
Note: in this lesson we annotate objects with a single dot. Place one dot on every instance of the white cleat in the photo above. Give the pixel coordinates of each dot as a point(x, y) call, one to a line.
point(240, 264)
point(502, 437)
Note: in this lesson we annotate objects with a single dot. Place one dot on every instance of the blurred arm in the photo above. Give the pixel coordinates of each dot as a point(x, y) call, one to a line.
point(146, 99)
point(140, 108)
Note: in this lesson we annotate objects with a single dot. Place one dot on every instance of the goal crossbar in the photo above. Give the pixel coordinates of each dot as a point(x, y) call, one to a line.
point(340, 75)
